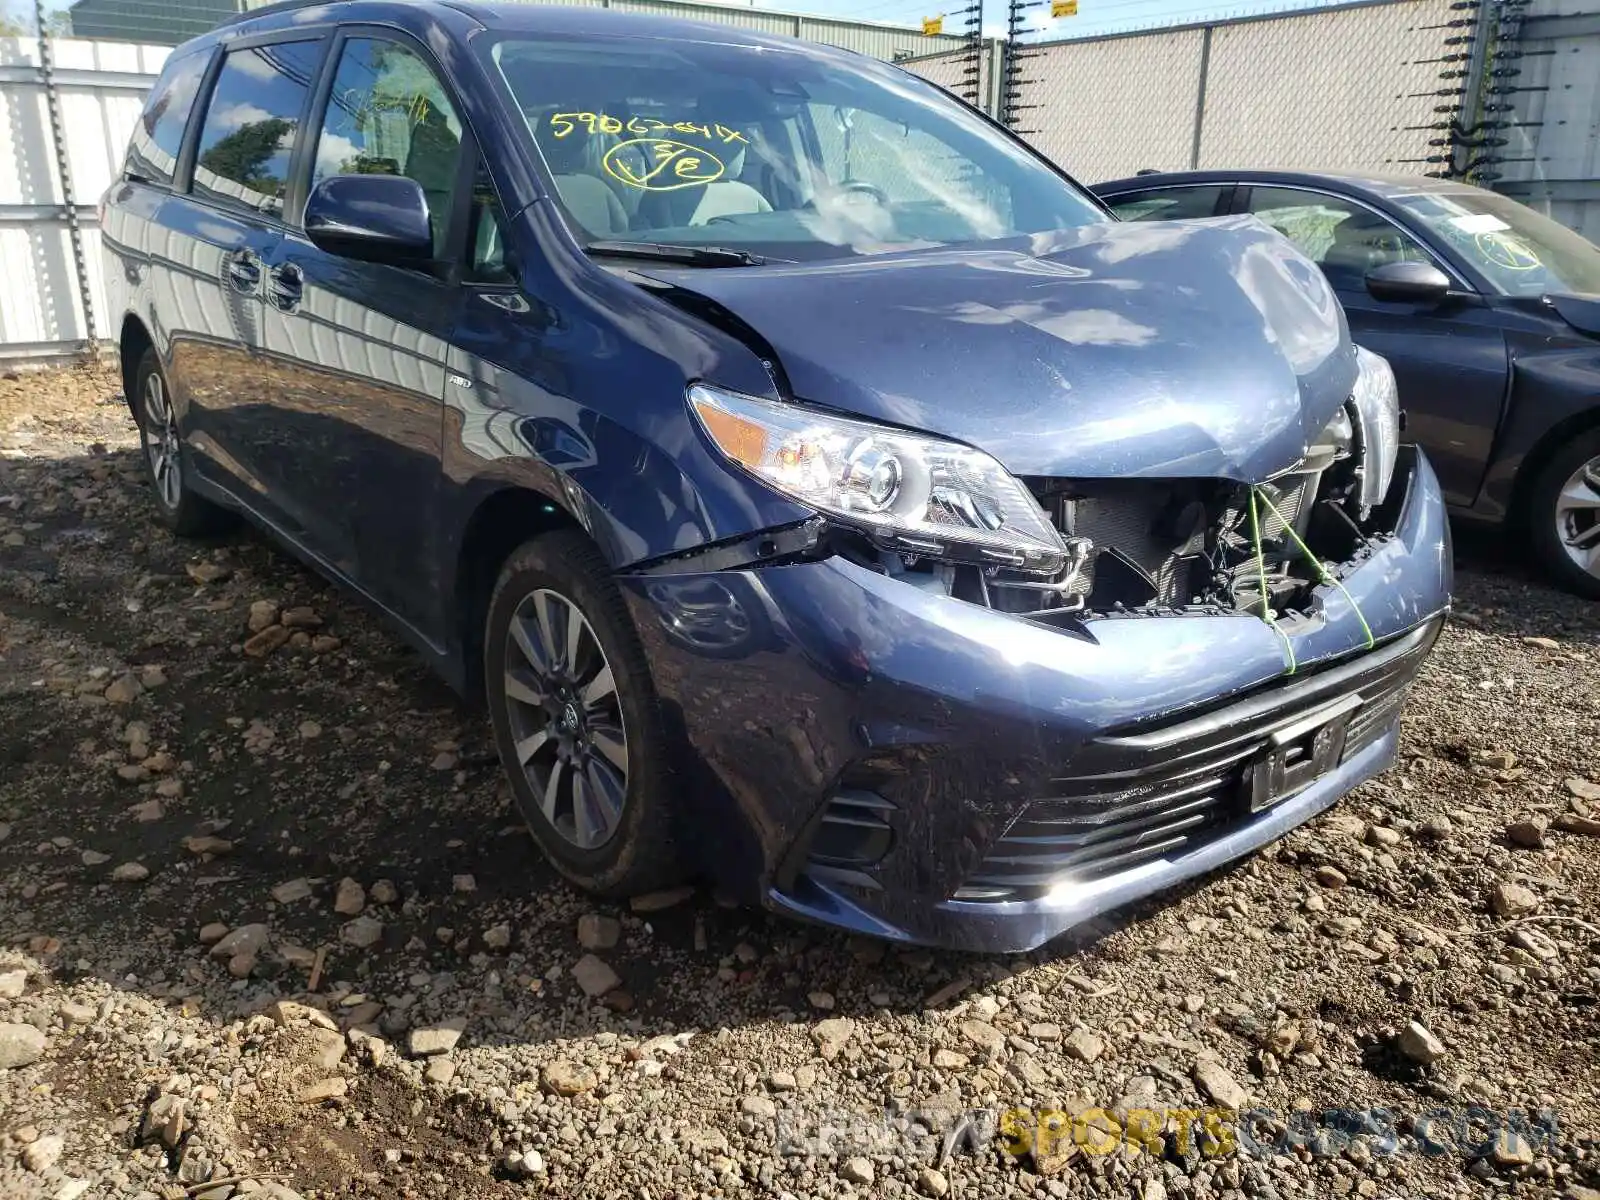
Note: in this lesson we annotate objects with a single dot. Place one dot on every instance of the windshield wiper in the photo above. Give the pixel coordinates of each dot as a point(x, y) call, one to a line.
point(694, 256)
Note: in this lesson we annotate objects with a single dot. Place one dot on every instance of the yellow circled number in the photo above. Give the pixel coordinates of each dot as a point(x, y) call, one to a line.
point(665, 167)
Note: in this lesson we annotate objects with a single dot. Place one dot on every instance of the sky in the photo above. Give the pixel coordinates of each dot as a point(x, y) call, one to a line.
point(1094, 16)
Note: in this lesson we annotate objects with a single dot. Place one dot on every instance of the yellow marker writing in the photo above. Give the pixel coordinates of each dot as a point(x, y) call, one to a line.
point(667, 166)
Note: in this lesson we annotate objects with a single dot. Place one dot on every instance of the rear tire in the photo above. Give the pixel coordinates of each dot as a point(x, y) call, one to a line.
point(180, 509)
point(1563, 515)
point(575, 719)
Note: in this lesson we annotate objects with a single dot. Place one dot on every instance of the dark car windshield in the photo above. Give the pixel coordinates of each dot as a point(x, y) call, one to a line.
point(787, 154)
point(1519, 251)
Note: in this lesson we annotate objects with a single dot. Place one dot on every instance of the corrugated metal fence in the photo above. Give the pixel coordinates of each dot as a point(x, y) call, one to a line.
point(101, 86)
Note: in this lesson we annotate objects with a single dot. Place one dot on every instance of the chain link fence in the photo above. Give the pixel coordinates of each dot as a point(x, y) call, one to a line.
point(1340, 88)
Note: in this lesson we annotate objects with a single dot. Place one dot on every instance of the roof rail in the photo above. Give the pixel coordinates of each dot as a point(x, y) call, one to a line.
point(268, 10)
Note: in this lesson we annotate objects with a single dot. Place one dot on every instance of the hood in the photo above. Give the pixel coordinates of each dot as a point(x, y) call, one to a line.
point(1581, 312)
point(1160, 349)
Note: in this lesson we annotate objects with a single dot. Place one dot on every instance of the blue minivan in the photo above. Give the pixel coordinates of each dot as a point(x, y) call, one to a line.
point(824, 493)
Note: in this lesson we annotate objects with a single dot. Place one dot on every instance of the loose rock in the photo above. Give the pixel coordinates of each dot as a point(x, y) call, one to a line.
point(857, 1170)
point(1083, 1046)
point(597, 932)
point(568, 1078)
point(247, 939)
point(125, 690)
point(656, 901)
point(20, 1045)
point(1215, 1082)
point(350, 898)
point(294, 889)
point(1419, 1044)
point(43, 1154)
point(1512, 900)
point(594, 976)
point(1528, 832)
point(363, 933)
point(435, 1039)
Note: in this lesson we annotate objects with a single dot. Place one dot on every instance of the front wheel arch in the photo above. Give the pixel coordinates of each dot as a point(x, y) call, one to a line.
point(501, 522)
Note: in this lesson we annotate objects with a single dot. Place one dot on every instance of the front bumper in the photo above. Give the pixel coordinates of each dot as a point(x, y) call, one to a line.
point(927, 770)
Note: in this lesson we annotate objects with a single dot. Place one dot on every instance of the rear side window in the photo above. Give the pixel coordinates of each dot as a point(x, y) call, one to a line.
point(158, 136)
point(248, 136)
point(1166, 204)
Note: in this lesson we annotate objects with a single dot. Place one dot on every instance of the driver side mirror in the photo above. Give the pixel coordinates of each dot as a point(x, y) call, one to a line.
point(373, 218)
point(1408, 283)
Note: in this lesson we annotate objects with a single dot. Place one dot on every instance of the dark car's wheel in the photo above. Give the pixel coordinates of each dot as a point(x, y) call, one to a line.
point(1563, 515)
point(182, 511)
point(575, 719)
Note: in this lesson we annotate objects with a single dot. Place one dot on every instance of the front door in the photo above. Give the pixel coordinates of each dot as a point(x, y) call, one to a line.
point(1450, 361)
point(356, 351)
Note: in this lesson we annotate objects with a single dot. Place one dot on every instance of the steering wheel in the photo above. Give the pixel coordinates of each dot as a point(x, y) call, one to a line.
point(862, 188)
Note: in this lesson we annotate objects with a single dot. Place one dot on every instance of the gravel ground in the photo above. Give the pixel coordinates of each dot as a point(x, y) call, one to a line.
point(268, 925)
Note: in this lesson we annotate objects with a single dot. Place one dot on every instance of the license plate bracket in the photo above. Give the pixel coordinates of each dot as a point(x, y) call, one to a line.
point(1300, 753)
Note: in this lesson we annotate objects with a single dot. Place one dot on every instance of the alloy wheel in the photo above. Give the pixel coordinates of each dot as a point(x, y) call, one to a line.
point(1578, 517)
point(161, 441)
point(567, 728)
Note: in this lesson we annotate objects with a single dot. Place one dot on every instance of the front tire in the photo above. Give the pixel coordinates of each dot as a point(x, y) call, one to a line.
point(1564, 516)
point(575, 719)
point(180, 509)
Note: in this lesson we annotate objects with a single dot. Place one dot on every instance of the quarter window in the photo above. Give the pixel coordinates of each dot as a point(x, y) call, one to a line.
point(389, 115)
point(1340, 236)
point(1166, 204)
point(158, 135)
point(249, 133)
point(489, 259)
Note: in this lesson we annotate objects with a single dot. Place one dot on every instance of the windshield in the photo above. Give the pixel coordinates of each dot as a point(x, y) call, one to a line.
point(1521, 252)
point(786, 154)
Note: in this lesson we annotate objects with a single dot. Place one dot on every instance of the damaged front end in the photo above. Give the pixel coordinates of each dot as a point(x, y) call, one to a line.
point(951, 521)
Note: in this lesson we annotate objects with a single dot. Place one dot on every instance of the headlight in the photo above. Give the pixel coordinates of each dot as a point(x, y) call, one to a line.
point(1377, 406)
point(918, 493)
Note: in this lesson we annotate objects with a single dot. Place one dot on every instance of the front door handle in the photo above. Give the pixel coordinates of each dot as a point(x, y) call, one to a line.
point(244, 271)
point(286, 284)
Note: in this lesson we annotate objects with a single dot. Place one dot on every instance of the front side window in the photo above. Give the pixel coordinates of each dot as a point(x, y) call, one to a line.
point(158, 134)
point(249, 132)
point(389, 115)
point(791, 154)
point(1167, 204)
point(1340, 236)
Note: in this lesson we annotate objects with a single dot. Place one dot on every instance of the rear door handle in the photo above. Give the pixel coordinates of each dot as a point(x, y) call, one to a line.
point(286, 285)
point(244, 271)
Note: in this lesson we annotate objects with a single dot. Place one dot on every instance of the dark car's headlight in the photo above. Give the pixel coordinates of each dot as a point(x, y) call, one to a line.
point(917, 491)
point(1376, 401)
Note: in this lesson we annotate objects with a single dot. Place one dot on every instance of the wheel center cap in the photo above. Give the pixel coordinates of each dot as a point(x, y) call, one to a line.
point(569, 718)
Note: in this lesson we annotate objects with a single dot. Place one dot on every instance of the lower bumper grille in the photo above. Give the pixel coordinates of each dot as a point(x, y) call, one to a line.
point(1163, 787)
